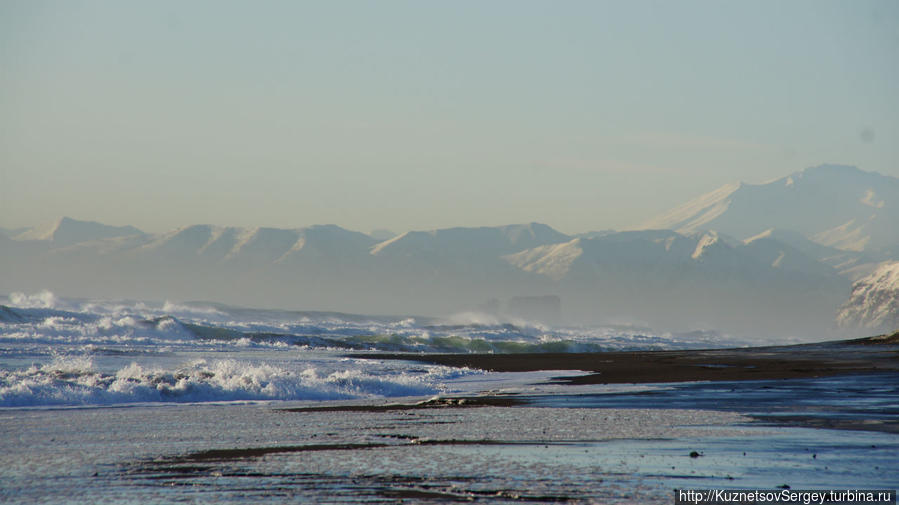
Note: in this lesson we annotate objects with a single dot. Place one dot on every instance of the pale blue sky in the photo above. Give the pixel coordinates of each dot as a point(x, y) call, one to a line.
point(415, 115)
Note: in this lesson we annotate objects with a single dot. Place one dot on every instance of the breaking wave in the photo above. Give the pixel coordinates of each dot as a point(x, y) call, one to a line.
point(59, 351)
point(49, 326)
point(44, 300)
point(39, 319)
point(76, 381)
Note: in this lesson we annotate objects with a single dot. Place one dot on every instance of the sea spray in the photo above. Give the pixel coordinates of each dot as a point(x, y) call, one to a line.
point(76, 381)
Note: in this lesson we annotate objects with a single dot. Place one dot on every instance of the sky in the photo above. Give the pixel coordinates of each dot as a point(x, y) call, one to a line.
point(584, 115)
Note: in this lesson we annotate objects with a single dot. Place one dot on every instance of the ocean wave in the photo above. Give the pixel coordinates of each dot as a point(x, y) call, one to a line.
point(43, 300)
point(462, 344)
point(64, 328)
point(69, 381)
point(47, 319)
point(50, 326)
point(11, 315)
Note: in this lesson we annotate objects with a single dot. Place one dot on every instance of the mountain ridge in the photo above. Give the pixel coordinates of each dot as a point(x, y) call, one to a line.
point(839, 206)
point(754, 273)
point(68, 231)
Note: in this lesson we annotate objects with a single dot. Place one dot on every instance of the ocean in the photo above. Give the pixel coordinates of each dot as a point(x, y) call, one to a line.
point(139, 402)
point(63, 352)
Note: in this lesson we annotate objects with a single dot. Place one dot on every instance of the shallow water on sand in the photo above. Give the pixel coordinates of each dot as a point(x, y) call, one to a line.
point(246, 453)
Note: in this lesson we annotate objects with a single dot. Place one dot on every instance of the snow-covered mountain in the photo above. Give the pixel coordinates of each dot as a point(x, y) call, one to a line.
point(839, 259)
point(704, 278)
point(490, 241)
point(664, 248)
point(874, 302)
point(767, 270)
point(832, 205)
point(659, 277)
point(657, 247)
point(316, 267)
point(68, 231)
point(249, 246)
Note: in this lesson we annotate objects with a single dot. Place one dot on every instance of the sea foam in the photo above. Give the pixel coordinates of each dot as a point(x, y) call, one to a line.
point(72, 381)
point(59, 351)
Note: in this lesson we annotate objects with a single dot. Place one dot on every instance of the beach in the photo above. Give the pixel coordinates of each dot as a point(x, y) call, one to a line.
point(505, 252)
point(251, 454)
point(871, 354)
point(576, 439)
point(118, 403)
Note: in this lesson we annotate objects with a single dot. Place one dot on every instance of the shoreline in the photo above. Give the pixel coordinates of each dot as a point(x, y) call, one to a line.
point(858, 356)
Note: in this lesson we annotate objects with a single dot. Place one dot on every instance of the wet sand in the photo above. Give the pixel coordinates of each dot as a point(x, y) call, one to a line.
point(434, 403)
point(442, 451)
point(865, 355)
point(783, 394)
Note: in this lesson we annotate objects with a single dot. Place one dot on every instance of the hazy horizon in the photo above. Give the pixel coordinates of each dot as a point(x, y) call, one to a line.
point(377, 232)
point(410, 116)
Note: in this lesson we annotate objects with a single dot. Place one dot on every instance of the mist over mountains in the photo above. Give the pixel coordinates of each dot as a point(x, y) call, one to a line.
point(770, 259)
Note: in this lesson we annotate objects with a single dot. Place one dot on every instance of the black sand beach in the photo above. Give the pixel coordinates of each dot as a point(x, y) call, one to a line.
point(864, 355)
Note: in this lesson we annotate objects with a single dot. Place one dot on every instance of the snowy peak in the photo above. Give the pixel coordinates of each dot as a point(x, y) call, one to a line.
point(696, 214)
point(705, 243)
point(263, 245)
point(662, 249)
point(488, 240)
point(837, 206)
point(190, 240)
point(68, 231)
point(874, 302)
point(256, 246)
point(553, 261)
point(328, 241)
point(221, 241)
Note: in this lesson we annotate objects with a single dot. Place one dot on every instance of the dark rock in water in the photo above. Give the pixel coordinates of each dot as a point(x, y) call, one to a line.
point(695, 454)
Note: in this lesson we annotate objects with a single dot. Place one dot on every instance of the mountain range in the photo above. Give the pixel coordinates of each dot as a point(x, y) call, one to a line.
point(833, 205)
point(781, 258)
